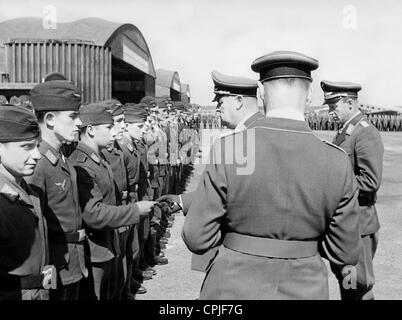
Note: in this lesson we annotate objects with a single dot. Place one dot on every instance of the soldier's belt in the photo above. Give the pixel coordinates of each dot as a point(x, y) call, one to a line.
point(69, 237)
point(123, 229)
point(46, 280)
point(271, 248)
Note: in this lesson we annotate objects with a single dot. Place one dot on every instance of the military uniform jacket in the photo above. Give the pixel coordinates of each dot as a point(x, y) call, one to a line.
point(144, 185)
point(299, 189)
point(98, 203)
point(362, 142)
point(201, 262)
point(131, 158)
point(23, 231)
point(55, 180)
point(115, 158)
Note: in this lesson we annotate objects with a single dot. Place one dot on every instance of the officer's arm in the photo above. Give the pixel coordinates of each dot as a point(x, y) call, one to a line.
point(369, 160)
point(186, 200)
point(96, 214)
point(202, 226)
point(340, 244)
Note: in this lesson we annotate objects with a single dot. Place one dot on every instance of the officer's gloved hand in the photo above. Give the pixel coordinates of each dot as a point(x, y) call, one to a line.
point(145, 207)
point(172, 200)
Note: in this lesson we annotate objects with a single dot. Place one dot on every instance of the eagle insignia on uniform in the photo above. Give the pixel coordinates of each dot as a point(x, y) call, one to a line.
point(61, 185)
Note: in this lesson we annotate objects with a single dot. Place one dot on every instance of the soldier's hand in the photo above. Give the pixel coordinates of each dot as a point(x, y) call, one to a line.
point(145, 207)
point(172, 200)
point(169, 198)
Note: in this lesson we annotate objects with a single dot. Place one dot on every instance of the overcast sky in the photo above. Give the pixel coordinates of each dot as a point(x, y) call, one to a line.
point(357, 40)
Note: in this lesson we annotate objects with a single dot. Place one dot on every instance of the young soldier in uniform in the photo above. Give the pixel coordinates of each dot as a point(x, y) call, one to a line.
point(115, 157)
point(362, 142)
point(56, 104)
point(136, 116)
point(23, 232)
point(297, 198)
point(101, 214)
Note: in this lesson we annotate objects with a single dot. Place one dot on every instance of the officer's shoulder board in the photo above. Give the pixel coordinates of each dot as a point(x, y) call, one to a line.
point(333, 145)
point(51, 157)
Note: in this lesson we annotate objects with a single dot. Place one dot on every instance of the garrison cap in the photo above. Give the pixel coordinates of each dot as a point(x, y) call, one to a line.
point(135, 113)
point(229, 85)
point(333, 91)
point(115, 106)
point(54, 76)
point(148, 100)
point(3, 100)
point(284, 64)
point(96, 113)
point(17, 123)
point(56, 95)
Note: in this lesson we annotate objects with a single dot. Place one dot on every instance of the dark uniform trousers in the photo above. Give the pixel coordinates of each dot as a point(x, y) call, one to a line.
point(296, 202)
point(362, 142)
point(115, 157)
point(56, 182)
point(23, 234)
point(102, 217)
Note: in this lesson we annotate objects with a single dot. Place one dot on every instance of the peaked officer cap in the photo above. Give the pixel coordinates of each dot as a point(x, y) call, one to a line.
point(333, 91)
point(229, 85)
point(284, 64)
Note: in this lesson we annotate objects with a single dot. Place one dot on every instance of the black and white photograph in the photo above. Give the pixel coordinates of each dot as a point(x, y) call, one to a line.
point(191, 150)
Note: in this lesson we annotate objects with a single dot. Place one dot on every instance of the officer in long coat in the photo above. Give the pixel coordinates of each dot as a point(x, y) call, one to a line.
point(363, 143)
point(293, 200)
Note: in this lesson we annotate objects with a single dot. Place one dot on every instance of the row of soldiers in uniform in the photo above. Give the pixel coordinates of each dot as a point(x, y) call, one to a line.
point(382, 122)
point(211, 120)
point(86, 225)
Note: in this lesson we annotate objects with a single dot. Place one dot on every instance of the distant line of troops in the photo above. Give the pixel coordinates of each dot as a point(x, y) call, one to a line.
point(382, 122)
point(97, 228)
point(211, 121)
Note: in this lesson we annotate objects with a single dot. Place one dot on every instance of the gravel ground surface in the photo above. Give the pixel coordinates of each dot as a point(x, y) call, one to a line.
point(176, 281)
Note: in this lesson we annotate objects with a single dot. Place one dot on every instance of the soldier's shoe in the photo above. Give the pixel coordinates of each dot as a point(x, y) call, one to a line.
point(141, 290)
point(163, 240)
point(147, 275)
point(160, 261)
point(152, 270)
point(161, 254)
point(162, 245)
